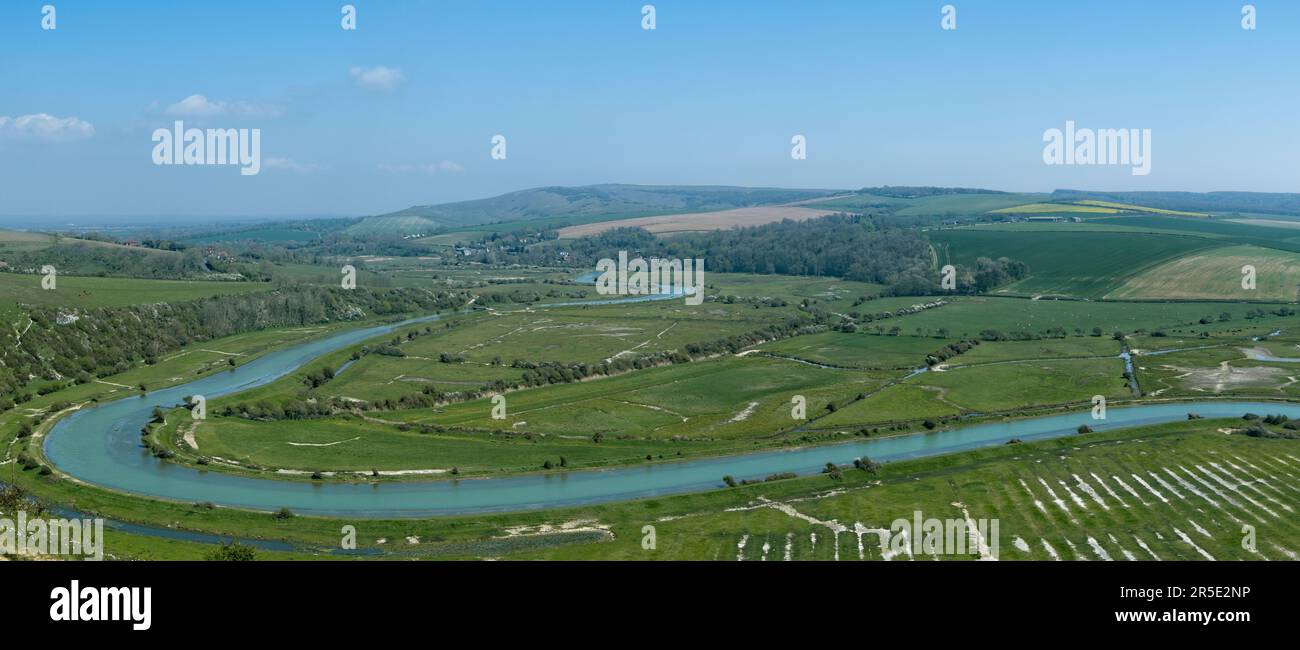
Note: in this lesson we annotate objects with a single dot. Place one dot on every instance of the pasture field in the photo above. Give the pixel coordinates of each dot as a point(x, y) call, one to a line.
point(1139, 208)
point(392, 226)
point(1002, 351)
point(1079, 264)
point(966, 317)
point(1217, 275)
point(1268, 222)
point(569, 335)
point(92, 292)
point(19, 240)
point(727, 398)
point(830, 293)
point(986, 388)
point(1224, 230)
point(349, 447)
point(937, 205)
point(699, 221)
point(1057, 208)
point(270, 234)
point(484, 347)
point(858, 350)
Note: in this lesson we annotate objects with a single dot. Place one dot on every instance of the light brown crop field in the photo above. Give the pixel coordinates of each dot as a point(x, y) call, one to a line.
point(699, 221)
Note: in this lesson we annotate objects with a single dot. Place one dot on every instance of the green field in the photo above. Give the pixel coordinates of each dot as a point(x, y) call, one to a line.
point(986, 388)
point(73, 292)
point(967, 317)
point(1056, 208)
point(721, 399)
point(1217, 275)
point(1000, 351)
point(858, 350)
point(938, 205)
point(1079, 264)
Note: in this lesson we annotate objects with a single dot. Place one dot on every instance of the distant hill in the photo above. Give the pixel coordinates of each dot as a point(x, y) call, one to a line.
point(578, 203)
point(1261, 202)
point(916, 192)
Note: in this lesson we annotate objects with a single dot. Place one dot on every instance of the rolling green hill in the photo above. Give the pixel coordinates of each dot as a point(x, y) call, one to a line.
point(1071, 263)
point(588, 203)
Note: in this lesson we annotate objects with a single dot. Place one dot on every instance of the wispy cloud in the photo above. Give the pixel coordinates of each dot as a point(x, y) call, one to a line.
point(43, 127)
point(428, 169)
point(200, 106)
point(290, 165)
point(377, 78)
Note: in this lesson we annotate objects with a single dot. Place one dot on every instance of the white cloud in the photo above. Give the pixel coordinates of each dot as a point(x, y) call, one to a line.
point(45, 128)
point(428, 169)
point(377, 78)
point(290, 165)
point(200, 106)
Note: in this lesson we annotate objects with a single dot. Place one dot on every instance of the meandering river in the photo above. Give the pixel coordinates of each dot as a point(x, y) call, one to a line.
point(101, 445)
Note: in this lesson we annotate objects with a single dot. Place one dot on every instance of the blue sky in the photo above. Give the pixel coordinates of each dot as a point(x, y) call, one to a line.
point(584, 95)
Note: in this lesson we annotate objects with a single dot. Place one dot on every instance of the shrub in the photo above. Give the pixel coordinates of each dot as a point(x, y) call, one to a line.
point(231, 552)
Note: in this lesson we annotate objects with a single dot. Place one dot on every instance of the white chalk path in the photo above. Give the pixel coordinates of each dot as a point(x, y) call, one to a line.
point(1073, 497)
point(1237, 490)
point(1050, 551)
point(321, 444)
point(1109, 491)
point(1252, 485)
point(1200, 529)
point(1098, 549)
point(1168, 488)
point(1187, 540)
point(1038, 504)
point(1274, 480)
point(1221, 494)
point(1291, 555)
point(1274, 467)
point(1130, 490)
point(1143, 546)
point(973, 535)
point(1192, 488)
point(1057, 500)
point(1123, 551)
point(1092, 494)
point(1149, 488)
point(1078, 555)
